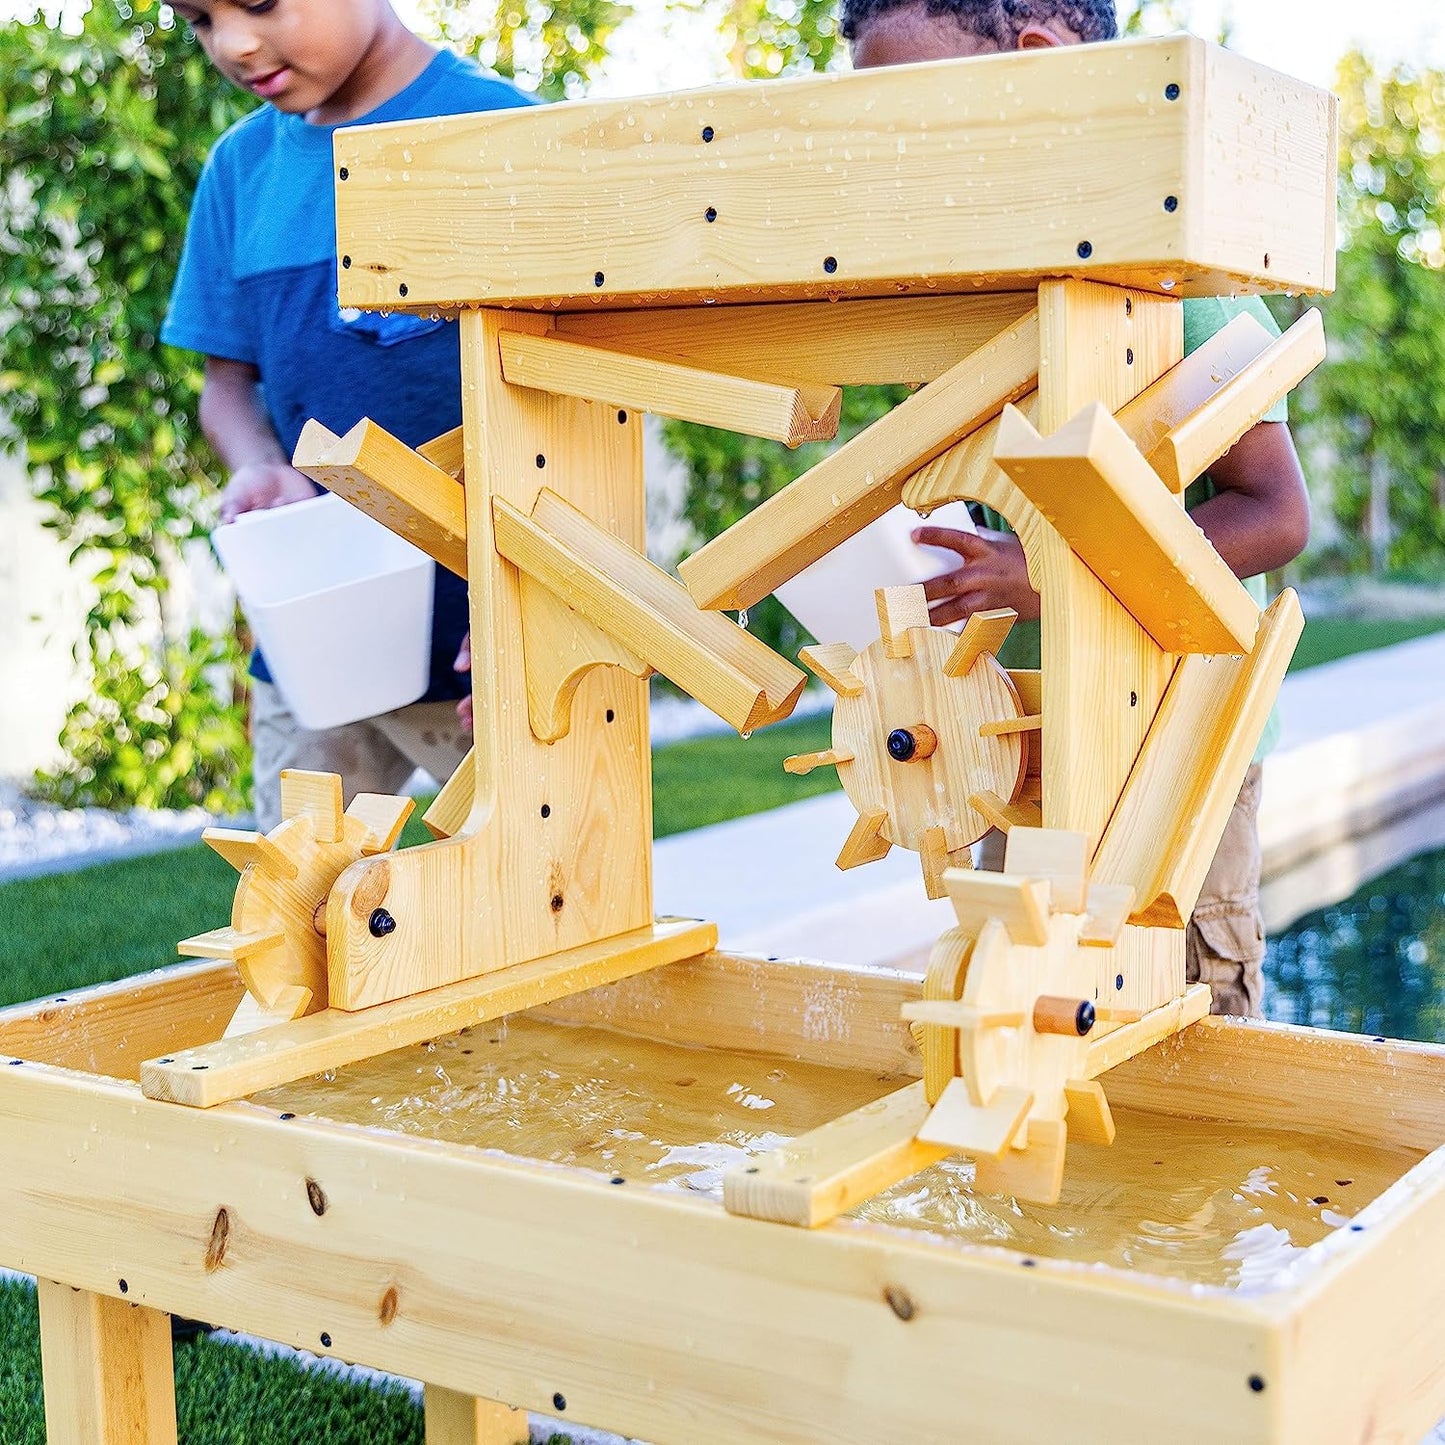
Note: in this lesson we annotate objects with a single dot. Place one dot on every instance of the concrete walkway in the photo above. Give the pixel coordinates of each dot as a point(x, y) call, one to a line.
point(1357, 785)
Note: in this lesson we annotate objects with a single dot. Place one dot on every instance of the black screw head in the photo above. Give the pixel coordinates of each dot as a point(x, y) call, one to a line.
point(546, 810)
point(1256, 1383)
point(344, 173)
point(559, 1401)
point(1119, 984)
point(325, 1340)
point(124, 1287)
point(381, 923)
point(1171, 204)
point(1085, 1019)
point(402, 289)
point(346, 263)
point(1172, 91)
point(830, 264)
point(598, 279)
point(541, 461)
point(1129, 356)
point(1086, 249)
point(710, 215)
point(707, 134)
point(902, 746)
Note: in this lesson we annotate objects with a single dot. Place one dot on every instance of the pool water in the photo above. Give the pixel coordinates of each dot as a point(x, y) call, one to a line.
point(1374, 964)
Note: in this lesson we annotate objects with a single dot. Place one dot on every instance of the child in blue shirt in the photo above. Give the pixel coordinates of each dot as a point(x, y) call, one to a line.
point(256, 295)
point(1253, 506)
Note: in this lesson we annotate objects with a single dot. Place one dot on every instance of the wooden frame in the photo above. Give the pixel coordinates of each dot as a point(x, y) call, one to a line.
point(518, 1282)
point(853, 185)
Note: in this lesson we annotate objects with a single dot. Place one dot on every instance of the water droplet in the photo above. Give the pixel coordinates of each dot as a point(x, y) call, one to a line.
point(743, 618)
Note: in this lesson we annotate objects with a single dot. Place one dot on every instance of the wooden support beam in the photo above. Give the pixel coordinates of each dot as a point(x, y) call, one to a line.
point(1109, 1050)
point(784, 190)
point(814, 1179)
point(392, 484)
point(1196, 443)
point(453, 1419)
point(1172, 814)
point(618, 590)
point(1090, 483)
point(1184, 388)
point(107, 1369)
point(884, 342)
point(217, 1073)
point(788, 414)
point(863, 478)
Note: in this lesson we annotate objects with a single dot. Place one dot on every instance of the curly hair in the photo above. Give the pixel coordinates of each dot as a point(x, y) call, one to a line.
point(999, 21)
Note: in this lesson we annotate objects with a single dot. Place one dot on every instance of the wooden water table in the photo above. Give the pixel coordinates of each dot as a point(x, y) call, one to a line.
point(1015, 237)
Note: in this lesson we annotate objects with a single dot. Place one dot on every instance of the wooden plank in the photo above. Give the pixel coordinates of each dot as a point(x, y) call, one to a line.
point(517, 1281)
point(631, 599)
point(863, 478)
point(1090, 483)
point(1060, 859)
point(1104, 345)
point(967, 472)
point(813, 1180)
point(801, 188)
point(448, 813)
point(1173, 811)
point(1182, 390)
point(1189, 449)
point(1112, 1049)
point(107, 1369)
point(905, 340)
point(218, 1073)
point(788, 414)
point(392, 484)
point(454, 1419)
point(1272, 1076)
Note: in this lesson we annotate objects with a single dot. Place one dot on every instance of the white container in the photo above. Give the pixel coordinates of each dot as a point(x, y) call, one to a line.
point(833, 598)
point(341, 607)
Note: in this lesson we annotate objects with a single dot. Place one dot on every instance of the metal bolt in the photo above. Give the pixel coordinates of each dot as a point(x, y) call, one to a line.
point(381, 923)
point(902, 746)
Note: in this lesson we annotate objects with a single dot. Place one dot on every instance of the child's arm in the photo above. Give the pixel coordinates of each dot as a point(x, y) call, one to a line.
point(1258, 520)
point(237, 427)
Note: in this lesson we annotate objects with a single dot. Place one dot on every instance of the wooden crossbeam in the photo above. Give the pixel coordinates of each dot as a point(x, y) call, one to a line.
point(883, 342)
point(1089, 481)
point(392, 484)
point(788, 414)
point(233, 1068)
point(1189, 449)
point(618, 590)
point(863, 478)
point(1164, 833)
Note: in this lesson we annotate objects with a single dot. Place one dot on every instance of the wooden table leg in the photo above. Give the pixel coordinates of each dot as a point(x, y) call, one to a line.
point(109, 1378)
point(453, 1419)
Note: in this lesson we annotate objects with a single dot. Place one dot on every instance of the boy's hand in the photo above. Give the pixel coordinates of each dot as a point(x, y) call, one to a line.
point(994, 575)
point(258, 486)
point(464, 664)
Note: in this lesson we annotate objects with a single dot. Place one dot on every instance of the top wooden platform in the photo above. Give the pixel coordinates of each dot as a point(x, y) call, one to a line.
point(1170, 165)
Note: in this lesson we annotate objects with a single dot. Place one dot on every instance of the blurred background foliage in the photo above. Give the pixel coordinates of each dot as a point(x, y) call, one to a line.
point(104, 124)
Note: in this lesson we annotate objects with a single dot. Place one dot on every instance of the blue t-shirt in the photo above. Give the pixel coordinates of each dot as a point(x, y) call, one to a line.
point(257, 283)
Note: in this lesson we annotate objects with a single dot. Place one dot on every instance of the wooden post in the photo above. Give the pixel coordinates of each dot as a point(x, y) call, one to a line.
point(453, 1419)
point(107, 1369)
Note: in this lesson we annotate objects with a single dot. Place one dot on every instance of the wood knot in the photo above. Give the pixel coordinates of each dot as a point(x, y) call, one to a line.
point(386, 1311)
point(899, 1301)
point(369, 891)
point(316, 1198)
point(220, 1238)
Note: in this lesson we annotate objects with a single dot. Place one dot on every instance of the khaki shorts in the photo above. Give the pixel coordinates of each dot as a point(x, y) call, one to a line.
point(374, 756)
point(1224, 942)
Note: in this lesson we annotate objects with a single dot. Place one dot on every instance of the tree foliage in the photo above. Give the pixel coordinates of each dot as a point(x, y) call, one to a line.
point(1377, 411)
point(102, 136)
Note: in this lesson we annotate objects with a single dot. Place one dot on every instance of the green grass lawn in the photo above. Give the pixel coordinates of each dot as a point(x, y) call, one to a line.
point(67, 930)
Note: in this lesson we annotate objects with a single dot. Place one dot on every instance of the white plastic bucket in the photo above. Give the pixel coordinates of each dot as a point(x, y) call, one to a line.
point(834, 599)
point(341, 607)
